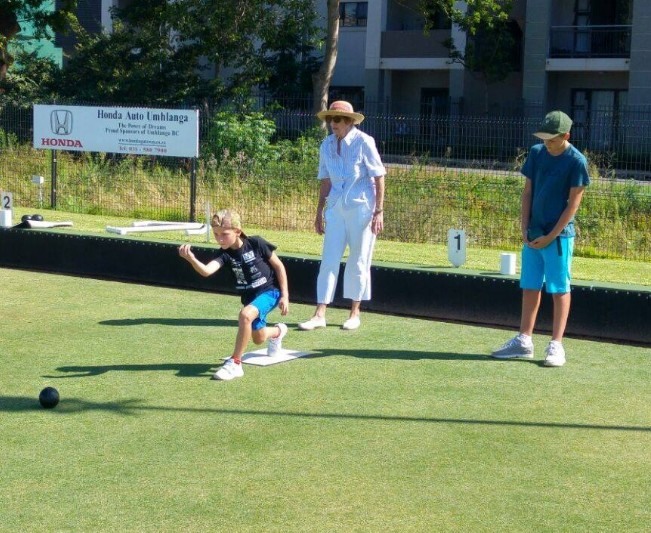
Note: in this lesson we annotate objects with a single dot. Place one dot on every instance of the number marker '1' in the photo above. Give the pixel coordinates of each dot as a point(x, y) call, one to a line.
point(457, 247)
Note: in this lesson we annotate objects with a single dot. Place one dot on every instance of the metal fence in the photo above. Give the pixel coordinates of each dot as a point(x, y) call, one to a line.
point(458, 170)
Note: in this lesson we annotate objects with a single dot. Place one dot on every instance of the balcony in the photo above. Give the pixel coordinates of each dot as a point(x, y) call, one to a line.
point(590, 42)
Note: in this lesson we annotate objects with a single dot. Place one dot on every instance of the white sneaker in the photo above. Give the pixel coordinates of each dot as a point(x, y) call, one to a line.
point(519, 347)
point(313, 323)
point(229, 370)
point(275, 346)
point(352, 323)
point(554, 354)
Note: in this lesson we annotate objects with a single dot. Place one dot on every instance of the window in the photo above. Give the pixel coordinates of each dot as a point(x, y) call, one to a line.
point(597, 116)
point(434, 125)
point(353, 14)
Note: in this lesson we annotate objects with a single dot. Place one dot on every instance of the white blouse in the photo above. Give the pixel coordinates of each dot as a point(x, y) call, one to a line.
point(351, 172)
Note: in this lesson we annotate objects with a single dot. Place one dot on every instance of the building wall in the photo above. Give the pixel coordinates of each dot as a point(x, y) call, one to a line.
point(351, 56)
point(399, 79)
point(481, 96)
point(43, 47)
point(639, 90)
point(536, 37)
point(407, 86)
point(561, 85)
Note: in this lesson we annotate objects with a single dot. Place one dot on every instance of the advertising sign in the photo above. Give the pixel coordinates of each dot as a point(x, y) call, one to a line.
point(123, 130)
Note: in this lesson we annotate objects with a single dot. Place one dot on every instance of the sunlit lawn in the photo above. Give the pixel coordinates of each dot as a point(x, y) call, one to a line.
point(402, 425)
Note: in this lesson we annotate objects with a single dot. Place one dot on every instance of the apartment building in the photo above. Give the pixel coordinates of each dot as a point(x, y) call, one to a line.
point(573, 54)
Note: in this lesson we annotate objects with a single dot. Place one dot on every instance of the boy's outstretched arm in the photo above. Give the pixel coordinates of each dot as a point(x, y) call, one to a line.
point(281, 275)
point(204, 269)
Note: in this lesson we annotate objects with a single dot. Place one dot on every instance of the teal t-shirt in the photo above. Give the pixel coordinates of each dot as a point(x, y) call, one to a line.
point(552, 177)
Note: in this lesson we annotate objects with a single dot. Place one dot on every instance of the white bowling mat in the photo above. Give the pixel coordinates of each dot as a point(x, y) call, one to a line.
point(260, 357)
point(47, 224)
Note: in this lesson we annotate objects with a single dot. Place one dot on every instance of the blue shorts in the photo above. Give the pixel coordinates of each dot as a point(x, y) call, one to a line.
point(551, 265)
point(265, 303)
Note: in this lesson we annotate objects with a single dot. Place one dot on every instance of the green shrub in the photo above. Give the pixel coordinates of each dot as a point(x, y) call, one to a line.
point(7, 140)
point(241, 141)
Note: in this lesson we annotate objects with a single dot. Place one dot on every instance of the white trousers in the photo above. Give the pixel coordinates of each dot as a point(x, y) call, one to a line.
point(346, 227)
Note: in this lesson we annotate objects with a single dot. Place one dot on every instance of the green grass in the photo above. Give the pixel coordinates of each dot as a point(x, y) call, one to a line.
point(402, 425)
point(416, 255)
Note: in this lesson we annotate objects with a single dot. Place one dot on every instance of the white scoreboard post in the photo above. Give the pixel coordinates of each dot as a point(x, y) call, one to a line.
point(6, 209)
point(457, 247)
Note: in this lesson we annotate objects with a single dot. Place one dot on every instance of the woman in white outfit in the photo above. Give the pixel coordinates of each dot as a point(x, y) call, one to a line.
point(349, 212)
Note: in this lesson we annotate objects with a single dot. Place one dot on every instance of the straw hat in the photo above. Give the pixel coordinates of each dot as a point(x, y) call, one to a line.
point(341, 108)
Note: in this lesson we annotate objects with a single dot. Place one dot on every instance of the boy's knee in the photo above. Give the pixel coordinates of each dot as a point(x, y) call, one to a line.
point(246, 317)
point(258, 336)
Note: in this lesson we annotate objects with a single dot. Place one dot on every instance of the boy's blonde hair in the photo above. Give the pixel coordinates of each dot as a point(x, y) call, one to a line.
point(227, 219)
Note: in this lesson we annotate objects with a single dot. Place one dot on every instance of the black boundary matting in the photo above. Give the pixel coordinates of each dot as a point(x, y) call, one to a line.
point(612, 314)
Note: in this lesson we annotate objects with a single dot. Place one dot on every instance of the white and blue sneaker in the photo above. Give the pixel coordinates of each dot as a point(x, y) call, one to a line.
point(554, 354)
point(275, 346)
point(229, 370)
point(519, 347)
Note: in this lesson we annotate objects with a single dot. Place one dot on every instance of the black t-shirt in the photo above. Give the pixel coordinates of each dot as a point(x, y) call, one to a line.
point(250, 265)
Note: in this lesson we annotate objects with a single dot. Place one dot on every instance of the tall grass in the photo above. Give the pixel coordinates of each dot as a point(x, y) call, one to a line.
point(423, 200)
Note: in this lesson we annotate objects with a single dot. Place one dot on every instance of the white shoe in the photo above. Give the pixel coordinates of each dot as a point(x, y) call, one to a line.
point(352, 323)
point(275, 346)
point(229, 370)
point(313, 323)
point(554, 354)
point(519, 347)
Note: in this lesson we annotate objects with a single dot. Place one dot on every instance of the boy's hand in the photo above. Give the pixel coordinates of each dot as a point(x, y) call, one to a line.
point(541, 242)
point(185, 252)
point(283, 305)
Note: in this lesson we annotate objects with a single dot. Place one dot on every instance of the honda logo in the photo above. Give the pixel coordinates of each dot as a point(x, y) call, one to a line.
point(61, 122)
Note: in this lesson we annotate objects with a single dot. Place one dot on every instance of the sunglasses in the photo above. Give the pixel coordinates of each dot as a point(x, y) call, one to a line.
point(336, 120)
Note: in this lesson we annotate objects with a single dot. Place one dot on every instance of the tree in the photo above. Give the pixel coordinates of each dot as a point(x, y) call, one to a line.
point(321, 80)
point(39, 13)
point(288, 55)
point(32, 79)
point(239, 37)
point(470, 16)
point(190, 50)
point(131, 67)
point(492, 47)
point(492, 53)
